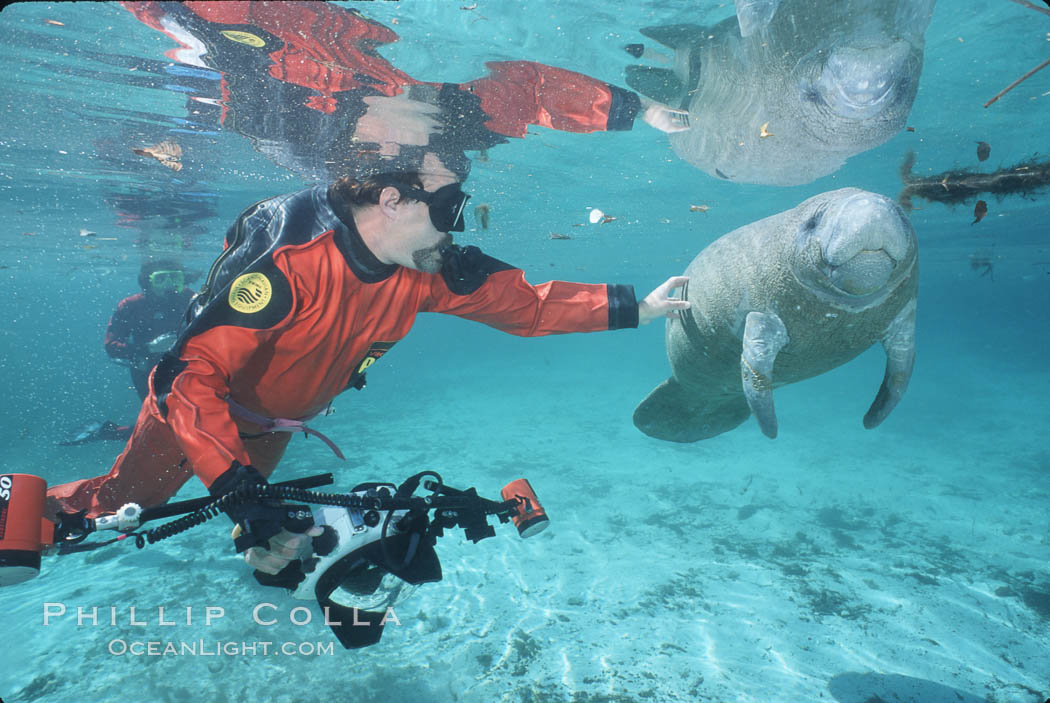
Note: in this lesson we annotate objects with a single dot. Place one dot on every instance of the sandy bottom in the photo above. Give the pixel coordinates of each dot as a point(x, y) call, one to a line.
point(902, 564)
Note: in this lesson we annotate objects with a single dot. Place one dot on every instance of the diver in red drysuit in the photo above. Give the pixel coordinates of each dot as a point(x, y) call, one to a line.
point(311, 290)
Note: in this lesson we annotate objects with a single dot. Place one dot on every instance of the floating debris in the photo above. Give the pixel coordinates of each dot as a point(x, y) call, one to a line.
point(55, 22)
point(87, 233)
point(559, 235)
point(28, 234)
point(765, 132)
point(699, 208)
point(469, 7)
point(961, 185)
point(984, 150)
point(606, 219)
point(595, 216)
point(481, 214)
point(167, 152)
point(909, 129)
point(979, 211)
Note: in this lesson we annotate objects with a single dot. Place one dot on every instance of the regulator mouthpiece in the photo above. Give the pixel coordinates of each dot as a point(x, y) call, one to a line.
point(530, 519)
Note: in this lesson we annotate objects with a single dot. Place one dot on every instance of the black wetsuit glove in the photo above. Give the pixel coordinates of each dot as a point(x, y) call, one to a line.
point(466, 268)
point(259, 518)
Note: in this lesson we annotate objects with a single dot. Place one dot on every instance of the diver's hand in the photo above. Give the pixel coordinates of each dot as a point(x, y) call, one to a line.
point(162, 343)
point(285, 547)
point(664, 118)
point(660, 304)
point(257, 519)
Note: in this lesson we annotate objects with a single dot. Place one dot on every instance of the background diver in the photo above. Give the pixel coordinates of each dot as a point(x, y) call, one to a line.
point(140, 330)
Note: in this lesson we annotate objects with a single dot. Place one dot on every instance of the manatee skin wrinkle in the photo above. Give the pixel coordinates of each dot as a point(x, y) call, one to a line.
point(786, 267)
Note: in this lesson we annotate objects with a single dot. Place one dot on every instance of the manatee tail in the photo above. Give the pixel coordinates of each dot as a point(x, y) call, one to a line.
point(673, 413)
point(670, 87)
point(659, 84)
point(674, 36)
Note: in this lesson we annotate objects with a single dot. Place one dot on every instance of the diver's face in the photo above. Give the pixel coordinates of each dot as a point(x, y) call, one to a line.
point(166, 284)
point(426, 240)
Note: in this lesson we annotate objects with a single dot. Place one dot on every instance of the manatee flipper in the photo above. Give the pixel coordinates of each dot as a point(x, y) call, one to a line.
point(674, 413)
point(899, 343)
point(764, 336)
point(659, 84)
point(675, 36)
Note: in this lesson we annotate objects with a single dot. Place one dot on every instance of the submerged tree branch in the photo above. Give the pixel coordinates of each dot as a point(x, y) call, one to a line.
point(1031, 6)
point(1010, 87)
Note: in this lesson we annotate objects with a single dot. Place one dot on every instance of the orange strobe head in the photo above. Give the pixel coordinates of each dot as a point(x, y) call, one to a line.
point(531, 519)
point(21, 526)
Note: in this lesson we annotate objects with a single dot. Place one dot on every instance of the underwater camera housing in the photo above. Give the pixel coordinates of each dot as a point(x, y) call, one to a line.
point(365, 562)
point(376, 543)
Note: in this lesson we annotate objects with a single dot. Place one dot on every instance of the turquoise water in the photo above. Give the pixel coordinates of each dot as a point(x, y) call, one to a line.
point(833, 563)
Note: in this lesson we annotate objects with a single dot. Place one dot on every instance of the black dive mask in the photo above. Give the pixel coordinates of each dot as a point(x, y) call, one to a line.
point(445, 205)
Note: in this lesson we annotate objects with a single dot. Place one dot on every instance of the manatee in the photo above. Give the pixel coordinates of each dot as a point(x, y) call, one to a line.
point(784, 299)
point(813, 83)
point(754, 15)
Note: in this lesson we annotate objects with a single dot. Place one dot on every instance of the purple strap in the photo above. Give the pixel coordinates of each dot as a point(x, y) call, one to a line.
point(281, 424)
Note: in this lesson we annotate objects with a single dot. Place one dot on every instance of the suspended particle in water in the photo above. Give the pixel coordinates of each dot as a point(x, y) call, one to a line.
point(481, 215)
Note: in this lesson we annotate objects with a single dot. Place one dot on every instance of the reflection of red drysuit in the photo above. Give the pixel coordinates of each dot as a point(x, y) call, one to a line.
point(332, 51)
point(293, 312)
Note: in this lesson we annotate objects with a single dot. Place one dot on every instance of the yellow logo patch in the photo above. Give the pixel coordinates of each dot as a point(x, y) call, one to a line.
point(243, 37)
point(250, 293)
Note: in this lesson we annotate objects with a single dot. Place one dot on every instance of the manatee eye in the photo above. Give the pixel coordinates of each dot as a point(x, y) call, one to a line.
point(812, 95)
point(814, 220)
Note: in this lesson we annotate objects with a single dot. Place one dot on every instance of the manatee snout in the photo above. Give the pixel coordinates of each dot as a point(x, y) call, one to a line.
point(863, 240)
point(859, 81)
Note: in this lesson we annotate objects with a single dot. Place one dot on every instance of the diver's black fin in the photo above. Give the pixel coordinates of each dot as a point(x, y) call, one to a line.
point(82, 435)
point(97, 432)
point(659, 84)
point(675, 36)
